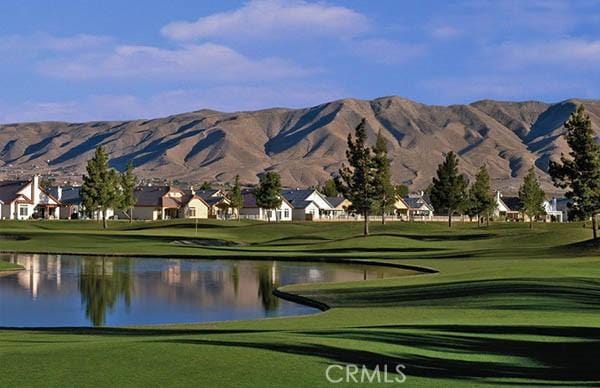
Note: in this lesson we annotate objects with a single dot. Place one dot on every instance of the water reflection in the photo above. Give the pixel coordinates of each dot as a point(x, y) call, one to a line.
point(35, 268)
point(101, 285)
point(67, 290)
point(267, 282)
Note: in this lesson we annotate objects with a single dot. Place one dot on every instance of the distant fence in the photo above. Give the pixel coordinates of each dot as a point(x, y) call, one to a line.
point(397, 218)
point(251, 217)
point(348, 218)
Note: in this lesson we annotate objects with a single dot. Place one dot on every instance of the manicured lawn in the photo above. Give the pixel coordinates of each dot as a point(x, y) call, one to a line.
point(4, 266)
point(508, 306)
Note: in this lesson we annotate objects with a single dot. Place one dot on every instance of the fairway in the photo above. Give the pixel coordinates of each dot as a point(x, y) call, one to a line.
point(498, 305)
point(4, 266)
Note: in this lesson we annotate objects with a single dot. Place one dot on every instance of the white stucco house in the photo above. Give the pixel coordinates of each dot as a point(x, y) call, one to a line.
point(309, 205)
point(23, 200)
point(418, 207)
point(556, 209)
point(250, 210)
point(71, 204)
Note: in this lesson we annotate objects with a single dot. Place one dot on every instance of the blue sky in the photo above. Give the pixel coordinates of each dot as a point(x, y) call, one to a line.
point(99, 60)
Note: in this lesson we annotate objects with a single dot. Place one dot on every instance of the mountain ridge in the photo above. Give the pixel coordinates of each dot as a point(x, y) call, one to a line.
point(306, 145)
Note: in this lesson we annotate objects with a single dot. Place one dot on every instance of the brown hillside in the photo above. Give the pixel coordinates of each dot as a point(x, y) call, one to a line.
point(305, 145)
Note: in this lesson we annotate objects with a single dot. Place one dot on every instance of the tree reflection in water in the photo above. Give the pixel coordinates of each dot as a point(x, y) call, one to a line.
point(267, 282)
point(235, 278)
point(101, 283)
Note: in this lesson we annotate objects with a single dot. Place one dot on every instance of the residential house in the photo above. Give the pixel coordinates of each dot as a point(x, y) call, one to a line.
point(508, 208)
point(554, 211)
point(401, 209)
point(563, 205)
point(71, 204)
point(166, 202)
point(501, 210)
point(419, 208)
point(22, 200)
point(309, 205)
point(251, 210)
point(340, 206)
point(219, 205)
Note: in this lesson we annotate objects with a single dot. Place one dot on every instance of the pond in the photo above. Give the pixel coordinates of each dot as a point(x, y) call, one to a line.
point(68, 290)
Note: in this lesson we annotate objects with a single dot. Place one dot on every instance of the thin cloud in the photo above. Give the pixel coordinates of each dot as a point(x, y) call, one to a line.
point(192, 62)
point(272, 19)
point(38, 111)
point(386, 52)
point(46, 42)
point(160, 104)
point(572, 53)
point(470, 88)
point(444, 32)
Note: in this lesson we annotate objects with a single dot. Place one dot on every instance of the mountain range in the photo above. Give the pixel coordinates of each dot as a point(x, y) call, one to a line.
point(306, 146)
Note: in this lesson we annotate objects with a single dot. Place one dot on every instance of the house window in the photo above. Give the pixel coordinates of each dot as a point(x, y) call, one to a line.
point(23, 211)
point(192, 212)
point(286, 213)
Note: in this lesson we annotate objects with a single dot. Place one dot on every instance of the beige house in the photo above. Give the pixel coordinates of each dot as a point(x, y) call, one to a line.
point(401, 209)
point(340, 206)
point(194, 207)
point(219, 205)
point(166, 202)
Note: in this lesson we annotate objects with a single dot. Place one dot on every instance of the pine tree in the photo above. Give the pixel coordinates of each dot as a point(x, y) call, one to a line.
point(580, 172)
point(235, 196)
point(401, 191)
point(469, 206)
point(532, 197)
point(205, 186)
point(329, 188)
point(449, 189)
point(385, 191)
point(128, 183)
point(356, 181)
point(268, 192)
point(481, 196)
point(100, 190)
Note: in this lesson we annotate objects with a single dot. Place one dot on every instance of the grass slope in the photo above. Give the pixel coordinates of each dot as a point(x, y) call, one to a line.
point(4, 266)
point(508, 306)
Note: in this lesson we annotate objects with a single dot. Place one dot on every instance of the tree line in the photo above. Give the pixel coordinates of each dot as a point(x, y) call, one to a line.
point(366, 179)
point(366, 182)
point(105, 188)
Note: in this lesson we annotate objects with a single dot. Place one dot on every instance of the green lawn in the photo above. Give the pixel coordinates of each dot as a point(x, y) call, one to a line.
point(508, 306)
point(4, 266)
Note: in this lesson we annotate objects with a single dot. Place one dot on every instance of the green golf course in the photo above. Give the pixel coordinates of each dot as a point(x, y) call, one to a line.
point(499, 305)
point(4, 266)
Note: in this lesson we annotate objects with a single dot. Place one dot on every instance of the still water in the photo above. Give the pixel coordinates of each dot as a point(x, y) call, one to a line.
point(66, 290)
